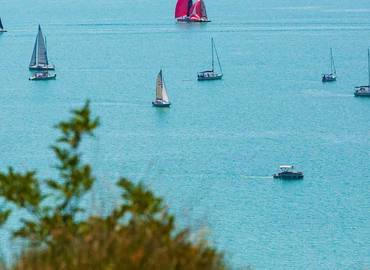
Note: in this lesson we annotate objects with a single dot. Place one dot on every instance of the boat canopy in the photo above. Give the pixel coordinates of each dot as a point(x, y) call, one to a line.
point(286, 167)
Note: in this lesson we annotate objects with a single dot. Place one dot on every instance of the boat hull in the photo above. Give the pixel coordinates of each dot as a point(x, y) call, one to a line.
point(288, 175)
point(362, 94)
point(3, 30)
point(329, 78)
point(209, 77)
point(156, 104)
point(362, 91)
point(193, 21)
point(50, 67)
point(43, 78)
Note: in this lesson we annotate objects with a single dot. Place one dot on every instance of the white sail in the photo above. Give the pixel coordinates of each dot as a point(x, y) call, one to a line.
point(164, 93)
point(33, 58)
point(159, 84)
point(42, 57)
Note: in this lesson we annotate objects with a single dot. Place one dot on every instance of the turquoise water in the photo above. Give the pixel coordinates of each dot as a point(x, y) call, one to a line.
point(213, 153)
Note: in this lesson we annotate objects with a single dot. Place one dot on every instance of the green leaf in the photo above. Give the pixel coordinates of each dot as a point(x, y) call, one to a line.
point(4, 216)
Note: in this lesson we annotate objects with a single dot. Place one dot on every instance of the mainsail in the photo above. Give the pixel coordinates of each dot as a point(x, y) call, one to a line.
point(161, 92)
point(39, 54)
point(42, 57)
point(159, 85)
point(33, 58)
point(183, 8)
point(1, 25)
point(203, 14)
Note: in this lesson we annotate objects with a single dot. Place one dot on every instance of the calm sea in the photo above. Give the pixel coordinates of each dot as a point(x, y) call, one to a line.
point(213, 153)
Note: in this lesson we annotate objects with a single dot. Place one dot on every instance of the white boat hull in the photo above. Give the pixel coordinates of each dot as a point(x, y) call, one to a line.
point(209, 77)
point(37, 67)
point(40, 77)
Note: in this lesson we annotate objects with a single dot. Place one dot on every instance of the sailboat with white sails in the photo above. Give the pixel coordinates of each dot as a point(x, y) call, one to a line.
point(162, 99)
point(186, 11)
point(39, 59)
point(332, 76)
point(210, 74)
point(2, 30)
point(364, 91)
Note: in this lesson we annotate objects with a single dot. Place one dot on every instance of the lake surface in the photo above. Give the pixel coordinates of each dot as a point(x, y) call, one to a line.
point(213, 153)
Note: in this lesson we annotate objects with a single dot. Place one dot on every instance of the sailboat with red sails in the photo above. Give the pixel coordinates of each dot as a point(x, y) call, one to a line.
point(186, 11)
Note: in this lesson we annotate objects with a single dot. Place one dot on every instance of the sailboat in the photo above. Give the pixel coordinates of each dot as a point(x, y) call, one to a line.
point(210, 74)
point(162, 99)
point(332, 76)
point(2, 30)
point(186, 11)
point(39, 59)
point(364, 91)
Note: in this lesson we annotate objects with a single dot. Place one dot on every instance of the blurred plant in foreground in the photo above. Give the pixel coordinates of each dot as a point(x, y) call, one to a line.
point(139, 234)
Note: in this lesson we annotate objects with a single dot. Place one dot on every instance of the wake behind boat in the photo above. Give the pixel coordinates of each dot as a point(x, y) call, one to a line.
point(162, 99)
point(39, 59)
point(332, 76)
point(2, 30)
point(186, 11)
point(364, 91)
point(207, 75)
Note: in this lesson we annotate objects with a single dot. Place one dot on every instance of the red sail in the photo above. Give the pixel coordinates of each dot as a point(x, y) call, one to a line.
point(196, 11)
point(182, 8)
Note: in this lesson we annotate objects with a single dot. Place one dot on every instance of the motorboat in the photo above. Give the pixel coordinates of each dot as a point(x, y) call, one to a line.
point(288, 173)
point(42, 76)
point(364, 91)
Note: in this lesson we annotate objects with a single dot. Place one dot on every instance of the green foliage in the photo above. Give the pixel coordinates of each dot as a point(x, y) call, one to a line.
point(23, 190)
point(139, 234)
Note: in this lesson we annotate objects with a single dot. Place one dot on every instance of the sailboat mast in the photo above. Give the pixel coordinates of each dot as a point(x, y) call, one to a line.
point(190, 3)
point(46, 53)
point(213, 62)
point(368, 64)
point(331, 61)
